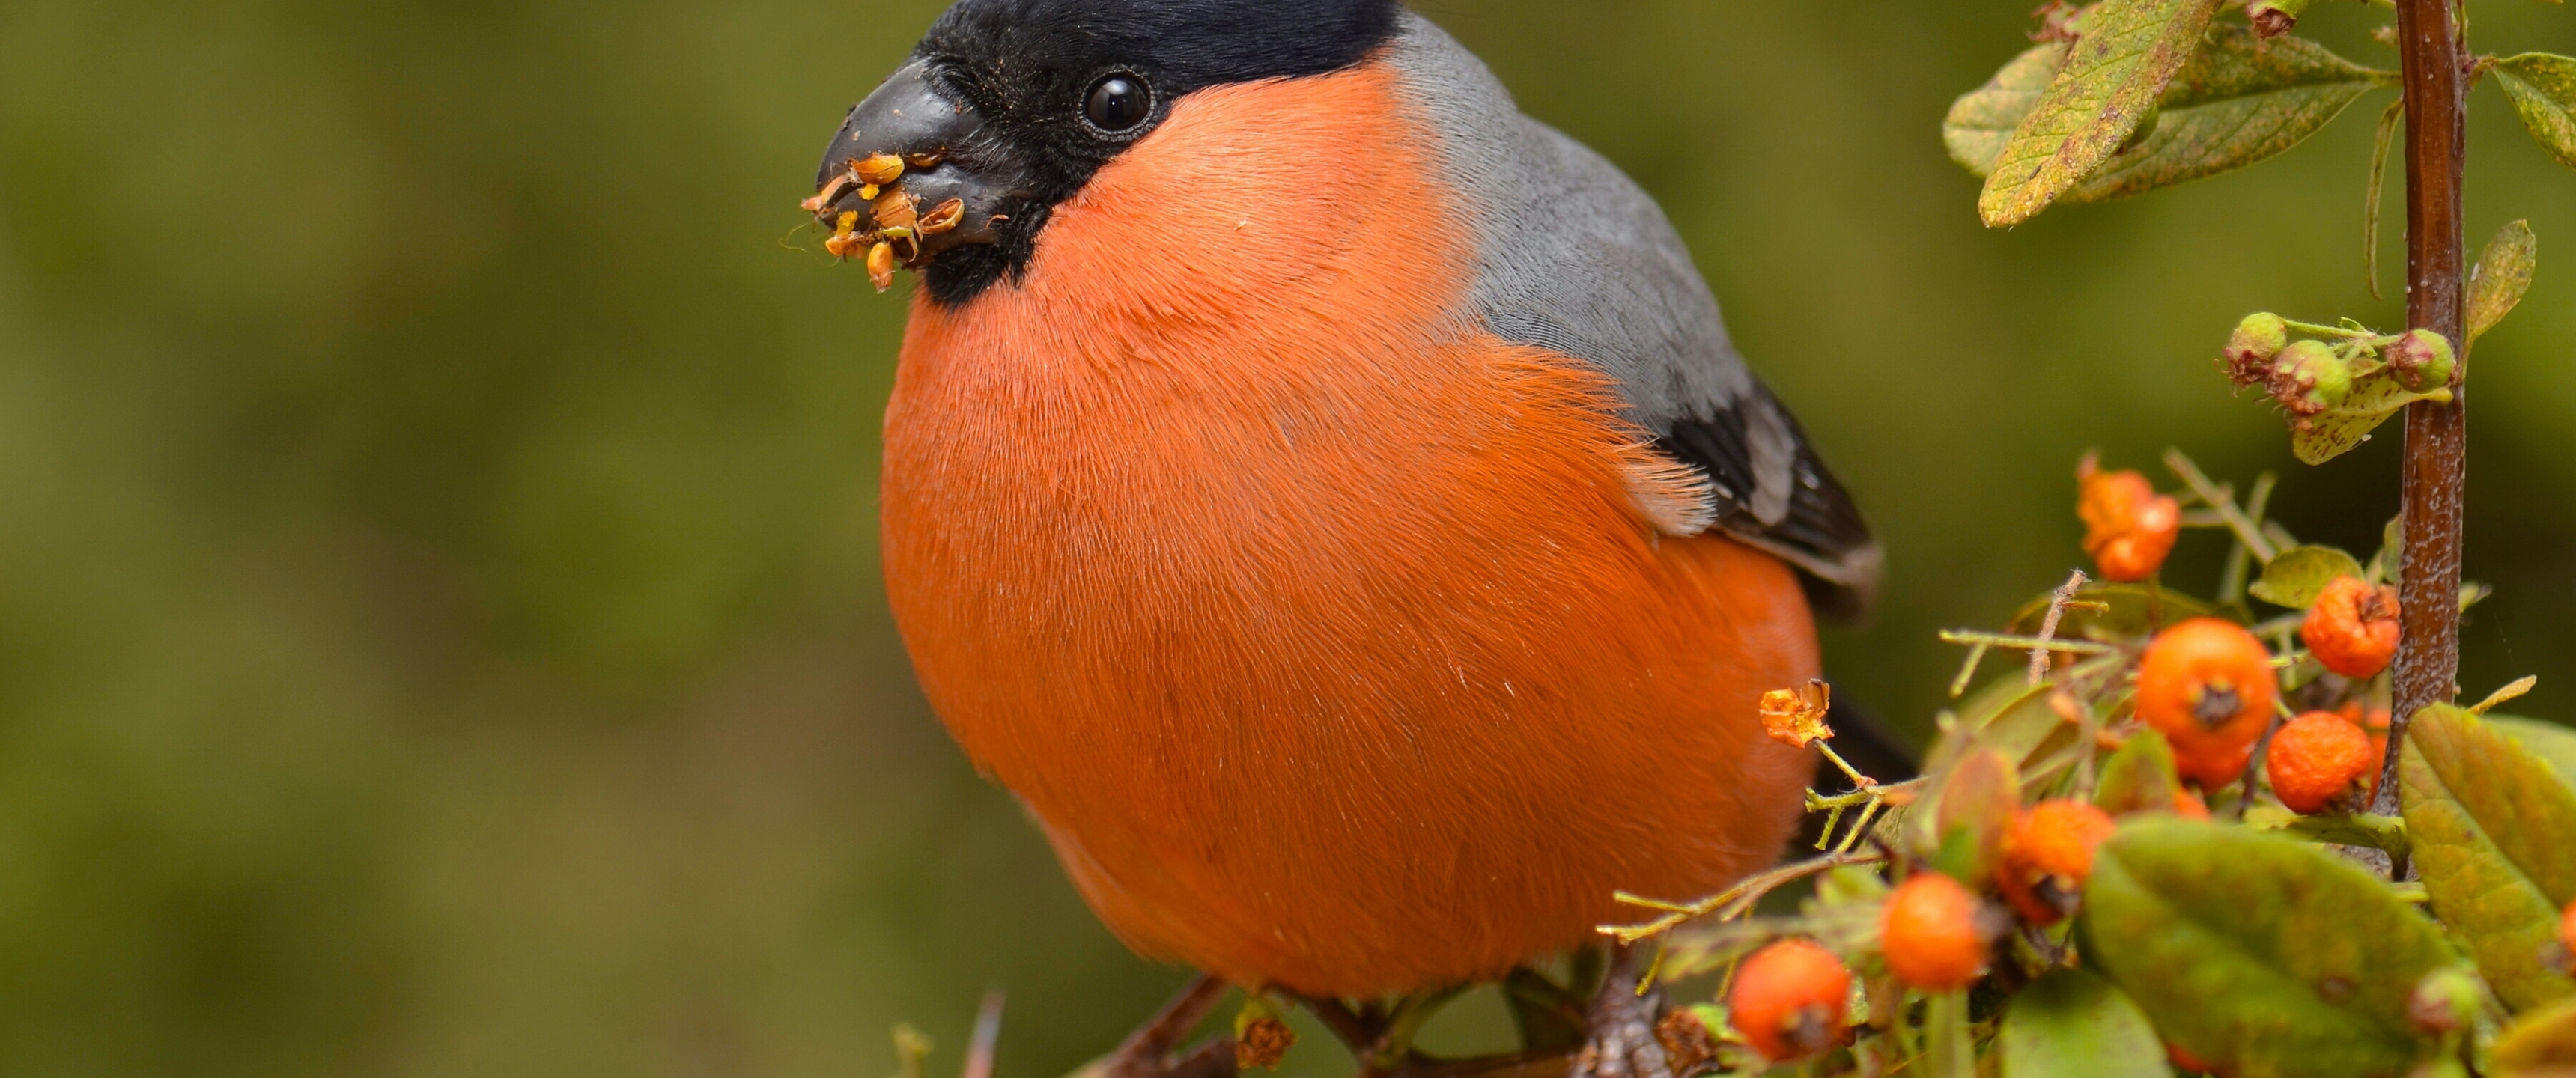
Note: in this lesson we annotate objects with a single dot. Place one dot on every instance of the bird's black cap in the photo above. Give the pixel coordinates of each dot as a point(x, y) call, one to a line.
point(1025, 70)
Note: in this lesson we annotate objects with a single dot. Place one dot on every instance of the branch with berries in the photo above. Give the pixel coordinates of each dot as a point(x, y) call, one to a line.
point(2157, 852)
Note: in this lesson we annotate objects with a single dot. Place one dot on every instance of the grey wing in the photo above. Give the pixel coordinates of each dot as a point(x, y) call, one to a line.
point(1576, 259)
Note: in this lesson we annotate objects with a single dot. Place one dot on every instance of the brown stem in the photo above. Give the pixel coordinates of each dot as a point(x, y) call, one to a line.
point(2435, 69)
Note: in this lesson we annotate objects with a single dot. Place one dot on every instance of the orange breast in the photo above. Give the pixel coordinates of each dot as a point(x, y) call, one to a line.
point(1315, 625)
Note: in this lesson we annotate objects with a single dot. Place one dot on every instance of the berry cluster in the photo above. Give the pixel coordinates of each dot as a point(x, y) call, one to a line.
point(2140, 703)
point(2313, 376)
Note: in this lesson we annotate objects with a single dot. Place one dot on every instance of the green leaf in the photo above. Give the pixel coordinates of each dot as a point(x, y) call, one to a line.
point(2377, 832)
point(2298, 575)
point(2138, 778)
point(1978, 802)
point(2502, 275)
point(2491, 823)
point(2540, 1044)
point(2006, 714)
point(2135, 610)
point(2342, 430)
point(2237, 102)
point(2543, 89)
point(2072, 1024)
point(1982, 120)
point(2547, 740)
point(2112, 78)
point(2258, 953)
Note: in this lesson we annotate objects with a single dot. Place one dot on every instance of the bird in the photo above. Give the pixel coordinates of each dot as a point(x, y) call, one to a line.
point(1325, 496)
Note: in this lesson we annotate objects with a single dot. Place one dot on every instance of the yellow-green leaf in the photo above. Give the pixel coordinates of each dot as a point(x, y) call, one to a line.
point(2541, 1044)
point(2138, 778)
point(2129, 610)
point(2502, 275)
point(2072, 1024)
point(2295, 577)
point(1978, 801)
point(2112, 78)
point(2237, 102)
point(2543, 89)
point(2342, 430)
point(2490, 824)
point(1983, 119)
point(2257, 953)
point(2551, 742)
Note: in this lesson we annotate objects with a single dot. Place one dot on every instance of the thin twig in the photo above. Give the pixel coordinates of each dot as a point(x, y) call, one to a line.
point(2378, 180)
point(987, 1037)
point(2024, 643)
point(2048, 625)
point(1968, 670)
point(2246, 530)
point(2231, 582)
point(1734, 901)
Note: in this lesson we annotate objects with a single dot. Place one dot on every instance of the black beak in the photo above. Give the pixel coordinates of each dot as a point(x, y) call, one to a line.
point(913, 171)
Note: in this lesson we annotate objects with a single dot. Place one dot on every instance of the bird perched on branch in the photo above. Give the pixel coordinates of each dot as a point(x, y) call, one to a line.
point(1326, 496)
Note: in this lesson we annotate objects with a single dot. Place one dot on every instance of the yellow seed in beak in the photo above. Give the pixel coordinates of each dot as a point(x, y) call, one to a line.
point(897, 210)
point(848, 223)
point(943, 217)
point(881, 265)
point(880, 170)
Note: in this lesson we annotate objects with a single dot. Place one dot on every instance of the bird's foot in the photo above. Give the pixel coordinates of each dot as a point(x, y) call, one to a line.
point(1155, 1049)
point(1622, 1041)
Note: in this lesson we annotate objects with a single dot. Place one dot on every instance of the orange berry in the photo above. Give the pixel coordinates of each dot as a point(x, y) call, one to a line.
point(2128, 527)
point(2353, 628)
point(2189, 805)
point(1788, 999)
point(2567, 927)
point(2207, 685)
point(2318, 760)
point(1930, 933)
point(2048, 854)
point(2185, 1061)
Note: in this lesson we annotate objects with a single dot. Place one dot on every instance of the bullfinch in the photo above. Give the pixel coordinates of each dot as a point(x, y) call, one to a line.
point(1326, 496)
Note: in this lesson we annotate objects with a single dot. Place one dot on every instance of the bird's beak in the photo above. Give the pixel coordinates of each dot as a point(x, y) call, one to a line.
point(912, 173)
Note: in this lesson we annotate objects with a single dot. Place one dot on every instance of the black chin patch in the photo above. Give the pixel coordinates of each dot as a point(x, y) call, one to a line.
point(1028, 65)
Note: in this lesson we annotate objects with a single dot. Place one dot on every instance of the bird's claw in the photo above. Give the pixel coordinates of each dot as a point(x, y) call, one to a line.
point(1622, 1042)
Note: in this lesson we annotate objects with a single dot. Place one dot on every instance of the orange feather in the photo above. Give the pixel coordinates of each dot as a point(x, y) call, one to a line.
point(1318, 627)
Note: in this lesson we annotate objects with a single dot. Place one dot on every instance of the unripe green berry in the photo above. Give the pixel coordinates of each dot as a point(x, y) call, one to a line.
point(2446, 1001)
point(2308, 378)
point(2250, 349)
point(2273, 18)
point(2423, 360)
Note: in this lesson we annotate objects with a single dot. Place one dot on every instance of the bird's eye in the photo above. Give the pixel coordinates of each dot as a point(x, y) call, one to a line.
point(1118, 103)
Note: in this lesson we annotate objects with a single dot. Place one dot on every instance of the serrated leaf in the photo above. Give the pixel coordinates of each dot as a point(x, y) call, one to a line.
point(2490, 823)
point(2110, 81)
point(2139, 777)
point(2543, 89)
point(2502, 275)
point(2295, 577)
point(2257, 953)
point(2540, 1044)
point(2342, 430)
point(2551, 742)
point(2072, 1024)
point(1982, 120)
point(2237, 102)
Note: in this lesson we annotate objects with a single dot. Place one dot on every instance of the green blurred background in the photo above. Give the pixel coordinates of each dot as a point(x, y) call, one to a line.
point(439, 620)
